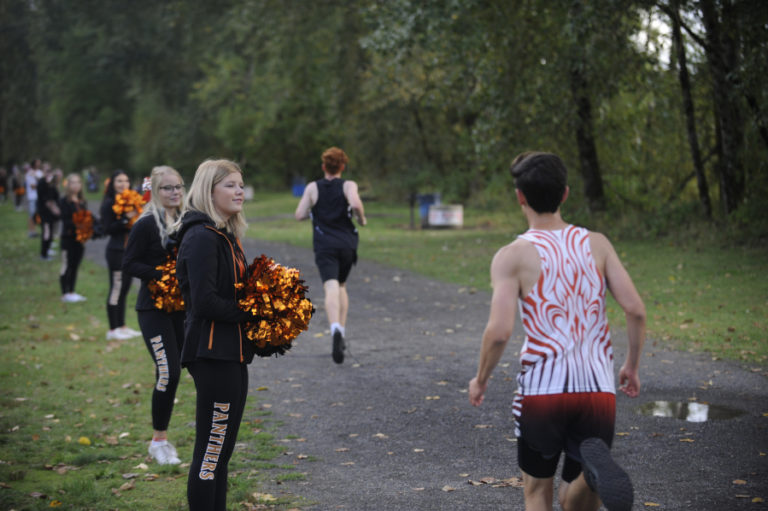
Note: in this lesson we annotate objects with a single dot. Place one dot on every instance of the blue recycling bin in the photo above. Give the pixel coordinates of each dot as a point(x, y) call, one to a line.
point(297, 188)
point(425, 201)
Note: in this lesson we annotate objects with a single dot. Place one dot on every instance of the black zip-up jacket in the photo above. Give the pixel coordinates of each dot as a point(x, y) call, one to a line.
point(116, 228)
point(209, 264)
point(46, 191)
point(68, 208)
point(144, 252)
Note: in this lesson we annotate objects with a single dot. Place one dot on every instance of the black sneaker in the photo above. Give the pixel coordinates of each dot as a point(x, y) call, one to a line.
point(338, 347)
point(605, 477)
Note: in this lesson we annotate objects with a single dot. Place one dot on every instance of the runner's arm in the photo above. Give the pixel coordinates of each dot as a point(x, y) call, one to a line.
point(353, 198)
point(501, 322)
point(623, 290)
point(308, 199)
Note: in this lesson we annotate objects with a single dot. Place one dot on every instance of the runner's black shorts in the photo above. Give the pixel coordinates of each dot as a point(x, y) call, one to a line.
point(335, 263)
point(553, 423)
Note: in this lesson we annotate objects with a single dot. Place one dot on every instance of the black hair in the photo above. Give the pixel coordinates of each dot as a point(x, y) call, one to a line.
point(542, 179)
point(110, 190)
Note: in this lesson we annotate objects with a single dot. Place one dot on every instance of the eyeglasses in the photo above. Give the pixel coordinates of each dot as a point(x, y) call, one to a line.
point(170, 188)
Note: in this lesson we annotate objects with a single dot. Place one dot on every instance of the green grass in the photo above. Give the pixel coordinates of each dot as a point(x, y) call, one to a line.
point(700, 295)
point(62, 383)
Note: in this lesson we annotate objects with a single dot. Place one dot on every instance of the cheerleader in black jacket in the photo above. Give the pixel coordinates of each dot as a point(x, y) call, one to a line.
point(47, 209)
point(163, 332)
point(216, 351)
point(117, 228)
point(71, 249)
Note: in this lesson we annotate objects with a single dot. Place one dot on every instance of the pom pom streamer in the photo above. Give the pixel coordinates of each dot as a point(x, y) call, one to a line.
point(276, 298)
point(165, 291)
point(83, 220)
point(127, 201)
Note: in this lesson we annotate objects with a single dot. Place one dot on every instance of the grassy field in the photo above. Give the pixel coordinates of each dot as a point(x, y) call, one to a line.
point(75, 420)
point(700, 295)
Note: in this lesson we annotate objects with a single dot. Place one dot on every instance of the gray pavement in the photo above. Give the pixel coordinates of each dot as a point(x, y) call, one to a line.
point(391, 428)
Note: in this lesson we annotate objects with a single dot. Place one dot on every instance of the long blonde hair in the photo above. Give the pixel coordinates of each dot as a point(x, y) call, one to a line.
point(155, 205)
point(200, 197)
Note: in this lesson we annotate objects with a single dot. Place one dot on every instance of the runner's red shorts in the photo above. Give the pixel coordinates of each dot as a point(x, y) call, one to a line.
point(553, 423)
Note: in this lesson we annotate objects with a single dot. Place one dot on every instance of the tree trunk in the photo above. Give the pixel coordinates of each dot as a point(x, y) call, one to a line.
point(589, 167)
point(690, 118)
point(722, 57)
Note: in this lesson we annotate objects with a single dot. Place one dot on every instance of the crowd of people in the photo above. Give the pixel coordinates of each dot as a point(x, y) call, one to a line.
point(556, 273)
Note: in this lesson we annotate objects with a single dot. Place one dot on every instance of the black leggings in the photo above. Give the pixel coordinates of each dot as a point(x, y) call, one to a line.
point(222, 387)
point(118, 289)
point(47, 237)
point(71, 257)
point(163, 334)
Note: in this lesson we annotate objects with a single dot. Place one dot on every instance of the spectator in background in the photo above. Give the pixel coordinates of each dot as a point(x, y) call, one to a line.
point(32, 175)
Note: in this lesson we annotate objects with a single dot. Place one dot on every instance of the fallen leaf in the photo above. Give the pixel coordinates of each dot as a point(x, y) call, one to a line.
point(418, 450)
point(342, 449)
point(142, 466)
point(475, 483)
point(448, 488)
point(515, 482)
point(651, 504)
point(739, 481)
point(38, 495)
point(264, 497)
point(348, 463)
point(111, 440)
point(302, 457)
point(418, 489)
point(432, 398)
point(261, 389)
point(483, 426)
point(689, 440)
point(130, 485)
point(757, 500)
point(55, 503)
point(380, 435)
point(84, 440)
point(622, 433)
point(130, 475)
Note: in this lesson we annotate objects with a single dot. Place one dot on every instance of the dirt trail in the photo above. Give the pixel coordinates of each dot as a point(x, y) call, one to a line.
point(391, 428)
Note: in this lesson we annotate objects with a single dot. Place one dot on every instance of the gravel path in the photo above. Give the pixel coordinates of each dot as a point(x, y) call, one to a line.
point(392, 429)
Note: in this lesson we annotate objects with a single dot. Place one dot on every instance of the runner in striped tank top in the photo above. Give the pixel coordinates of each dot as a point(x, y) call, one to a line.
point(557, 275)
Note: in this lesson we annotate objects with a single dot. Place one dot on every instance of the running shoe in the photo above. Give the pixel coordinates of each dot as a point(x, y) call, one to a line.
point(116, 334)
point(128, 332)
point(338, 347)
point(78, 297)
point(164, 453)
point(605, 476)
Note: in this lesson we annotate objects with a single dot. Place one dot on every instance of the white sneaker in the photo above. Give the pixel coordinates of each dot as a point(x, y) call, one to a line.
point(116, 334)
point(67, 298)
point(164, 453)
point(128, 332)
point(78, 298)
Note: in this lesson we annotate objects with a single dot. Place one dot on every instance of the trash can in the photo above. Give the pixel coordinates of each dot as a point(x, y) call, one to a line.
point(297, 187)
point(425, 201)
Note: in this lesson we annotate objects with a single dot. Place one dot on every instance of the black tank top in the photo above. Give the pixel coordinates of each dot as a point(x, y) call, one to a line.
point(332, 217)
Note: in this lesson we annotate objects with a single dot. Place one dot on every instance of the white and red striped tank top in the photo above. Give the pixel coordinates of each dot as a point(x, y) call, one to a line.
point(568, 344)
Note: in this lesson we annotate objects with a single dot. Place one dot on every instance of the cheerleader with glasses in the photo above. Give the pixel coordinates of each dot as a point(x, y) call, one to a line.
point(163, 328)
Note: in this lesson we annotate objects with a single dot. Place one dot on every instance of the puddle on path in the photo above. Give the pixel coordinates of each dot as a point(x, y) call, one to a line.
point(691, 412)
